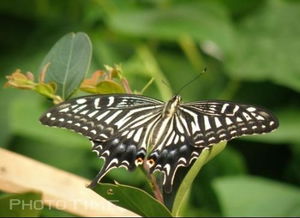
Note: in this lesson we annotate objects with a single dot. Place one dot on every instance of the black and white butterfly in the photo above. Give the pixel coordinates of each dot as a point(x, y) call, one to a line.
point(126, 130)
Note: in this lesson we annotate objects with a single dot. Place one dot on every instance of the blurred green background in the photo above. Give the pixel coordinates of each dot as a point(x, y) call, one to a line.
point(250, 48)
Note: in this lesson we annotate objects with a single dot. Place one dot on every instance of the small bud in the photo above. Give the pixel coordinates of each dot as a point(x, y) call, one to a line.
point(20, 80)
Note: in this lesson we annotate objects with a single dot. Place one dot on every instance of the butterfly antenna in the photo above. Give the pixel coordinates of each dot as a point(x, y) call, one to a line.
point(191, 81)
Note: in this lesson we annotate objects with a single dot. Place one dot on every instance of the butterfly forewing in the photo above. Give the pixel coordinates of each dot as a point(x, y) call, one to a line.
point(215, 121)
point(126, 129)
point(101, 116)
point(117, 126)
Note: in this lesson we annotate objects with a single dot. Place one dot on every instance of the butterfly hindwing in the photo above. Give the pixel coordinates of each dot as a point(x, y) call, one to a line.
point(174, 150)
point(127, 148)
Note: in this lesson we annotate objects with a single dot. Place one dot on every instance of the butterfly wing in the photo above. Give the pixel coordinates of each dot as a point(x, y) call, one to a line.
point(215, 121)
point(118, 126)
point(197, 126)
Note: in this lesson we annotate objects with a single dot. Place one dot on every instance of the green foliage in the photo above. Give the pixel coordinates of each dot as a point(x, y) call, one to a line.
point(133, 199)
point(250, 50)
point(28, 204)
point(254, 196)
point(171, 23)
point(183, 192)
point(67, 63)
point(288, 131)
point(106, 87)
point(266, 37)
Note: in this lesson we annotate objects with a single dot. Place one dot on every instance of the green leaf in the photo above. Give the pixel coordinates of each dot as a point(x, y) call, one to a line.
point(254, 196)
point(202, 21)
point(241, 8)
point(105, 87)
point(6, 132)
point(183, 190)
point(134, 178)
point(27, 204)
point(53, 212)
point(32, 138)
point(150, 65)
point(69, 60)
point(268, 44)
point(203, 197)
point(133, 199)
point(24, 115)
point(172, 62)
point(292, 172)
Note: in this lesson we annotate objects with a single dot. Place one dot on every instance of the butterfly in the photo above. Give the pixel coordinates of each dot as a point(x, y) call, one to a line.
point(128, 130)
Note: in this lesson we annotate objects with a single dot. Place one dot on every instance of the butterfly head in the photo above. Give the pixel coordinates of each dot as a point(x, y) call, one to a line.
point(171, 106)
point(176, 99)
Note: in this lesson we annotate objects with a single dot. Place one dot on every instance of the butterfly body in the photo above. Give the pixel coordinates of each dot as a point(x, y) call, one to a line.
point(169, 110)
point(127, 130)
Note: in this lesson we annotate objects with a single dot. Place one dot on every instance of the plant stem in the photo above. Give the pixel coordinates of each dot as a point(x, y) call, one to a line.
point(153, 183)
point(147, 85)
point(230, 89)
point(153, 69)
